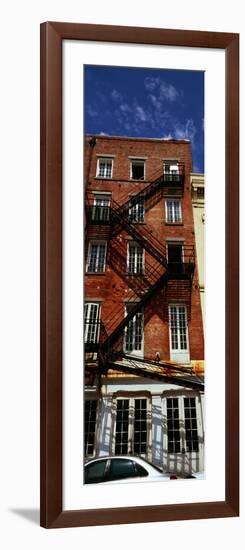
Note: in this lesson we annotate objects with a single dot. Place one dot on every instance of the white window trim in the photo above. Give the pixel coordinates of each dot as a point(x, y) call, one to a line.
point(135, 262)
point(140, 161)
point(179, 355)
point(105, 158)
point(131, 416)
point(134, 352)
point(171, 163)
point(200, 428)
point(90, 303)
point(99, 195)
point(96, 242)
point(166, 210)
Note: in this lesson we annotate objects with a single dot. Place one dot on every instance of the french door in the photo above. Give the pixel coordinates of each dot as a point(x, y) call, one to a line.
point(183, 434)
point(131, 431)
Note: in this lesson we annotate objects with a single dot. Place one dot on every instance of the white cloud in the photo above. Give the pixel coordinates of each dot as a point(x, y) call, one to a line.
point(185, 131)
point(91, 111)
point(168, 92)
point(163, 90)
point(124, 107)
point(155, 102)
point(116, 96)
point(140, 113)
point(151, 83)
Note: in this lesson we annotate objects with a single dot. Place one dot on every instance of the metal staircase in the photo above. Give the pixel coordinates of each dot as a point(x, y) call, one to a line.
point(174, 280)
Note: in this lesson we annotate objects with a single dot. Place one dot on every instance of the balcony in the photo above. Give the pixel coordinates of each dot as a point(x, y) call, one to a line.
point(181, 261)
point(173, 179)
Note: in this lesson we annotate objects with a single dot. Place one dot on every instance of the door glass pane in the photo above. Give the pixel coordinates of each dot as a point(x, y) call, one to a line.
point(140, 426)
point(90, 423)
point(191, 424)
point(122, 426)
point(173, 425)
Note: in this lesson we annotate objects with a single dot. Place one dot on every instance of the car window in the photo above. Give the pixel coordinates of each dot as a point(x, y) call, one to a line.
point(95, 472)
point(121, 469)
point(142, 472)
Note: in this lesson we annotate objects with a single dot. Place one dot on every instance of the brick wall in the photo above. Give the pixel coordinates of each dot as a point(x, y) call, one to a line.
point(114, 288)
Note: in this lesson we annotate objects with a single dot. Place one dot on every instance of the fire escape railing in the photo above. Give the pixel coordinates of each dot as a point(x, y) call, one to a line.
point(111, 215)
point(117, 217)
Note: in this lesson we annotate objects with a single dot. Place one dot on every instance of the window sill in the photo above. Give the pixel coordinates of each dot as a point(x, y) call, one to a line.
point(95, 273)
point(174, 223)
point(102, 178)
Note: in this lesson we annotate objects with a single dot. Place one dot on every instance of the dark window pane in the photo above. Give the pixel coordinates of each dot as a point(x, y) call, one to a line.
point(120, 469)
point(140, 470)
point(95, 473)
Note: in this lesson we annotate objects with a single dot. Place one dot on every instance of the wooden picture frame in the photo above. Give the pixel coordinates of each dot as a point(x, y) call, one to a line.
point(52, 35)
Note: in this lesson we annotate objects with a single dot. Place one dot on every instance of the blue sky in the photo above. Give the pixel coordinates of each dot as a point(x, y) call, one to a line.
point(150, 103)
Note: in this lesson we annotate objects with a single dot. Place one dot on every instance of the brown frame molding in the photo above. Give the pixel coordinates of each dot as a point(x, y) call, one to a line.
point(52, 35)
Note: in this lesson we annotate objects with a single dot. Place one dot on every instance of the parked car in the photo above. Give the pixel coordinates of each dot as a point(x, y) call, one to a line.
point(195, 475)
point(123, 469)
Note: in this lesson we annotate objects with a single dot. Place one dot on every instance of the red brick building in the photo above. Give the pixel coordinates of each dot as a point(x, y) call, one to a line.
point(143, 322)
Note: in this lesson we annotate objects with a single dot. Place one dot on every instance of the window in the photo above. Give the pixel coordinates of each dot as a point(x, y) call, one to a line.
point(171, 171)
point(135, 259)
point(101, 207)
point(96, 472)
point(121, 468)
point(175, 253)
point(173, 211)
point(131, 429)
point(182, 427)
point(90, 424)
point(136, 212)
point(137, 171)
point(134, 333)
point(191, 424)
point(104, 168)
point(173, 425)
point(91, 322)
point(178, 333)
point(96, 257)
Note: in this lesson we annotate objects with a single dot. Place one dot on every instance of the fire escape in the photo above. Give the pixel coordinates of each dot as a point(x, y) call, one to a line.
point(170, 277)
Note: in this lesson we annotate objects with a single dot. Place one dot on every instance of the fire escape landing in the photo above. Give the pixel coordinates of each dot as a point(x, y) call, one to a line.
point(173, 278)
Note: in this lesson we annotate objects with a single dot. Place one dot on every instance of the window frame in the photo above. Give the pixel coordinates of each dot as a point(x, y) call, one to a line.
point(95, 321)
point(103, 196)
point(137, 161)
point(170, 162)
point(131, 420)
point(97, 242)
point(135, 210)
point(106, 159)
point(176, 243)
point(167, 220)
point(134, 352)
point(137, 246)
point(181, 396)
point(183, 355)
point(90, 400)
